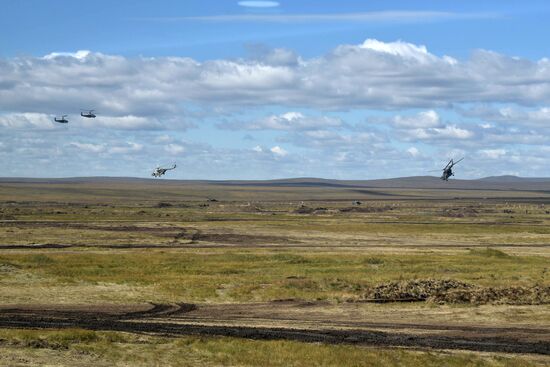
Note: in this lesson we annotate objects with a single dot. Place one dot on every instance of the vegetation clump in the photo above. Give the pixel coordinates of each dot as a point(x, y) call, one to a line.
point(304, 210)
point(413, 290)
point(536, 295)
point(456, 292)
point(489, 252)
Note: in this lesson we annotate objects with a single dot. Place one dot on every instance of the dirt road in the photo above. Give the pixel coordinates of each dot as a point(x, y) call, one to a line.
point(275, 320)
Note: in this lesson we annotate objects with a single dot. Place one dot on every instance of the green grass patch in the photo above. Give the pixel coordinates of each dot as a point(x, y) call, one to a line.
point(88, 348)
point(220, 275)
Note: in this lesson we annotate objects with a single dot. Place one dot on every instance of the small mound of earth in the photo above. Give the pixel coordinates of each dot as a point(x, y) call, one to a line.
point(455, 292)
point(365, 209)
point(304, 210)
point(414, 290)
point(460, 212)
point(536, 295)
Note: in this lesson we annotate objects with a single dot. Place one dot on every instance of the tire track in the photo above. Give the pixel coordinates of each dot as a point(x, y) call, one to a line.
point(162, 319)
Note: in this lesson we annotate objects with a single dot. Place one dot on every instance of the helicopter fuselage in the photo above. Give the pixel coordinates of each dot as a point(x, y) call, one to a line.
point(446, 174)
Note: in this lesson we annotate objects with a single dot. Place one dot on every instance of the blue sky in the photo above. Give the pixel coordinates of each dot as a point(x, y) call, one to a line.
point(271, 89)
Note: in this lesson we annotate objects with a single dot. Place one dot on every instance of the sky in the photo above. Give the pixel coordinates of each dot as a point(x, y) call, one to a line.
point(274, 89)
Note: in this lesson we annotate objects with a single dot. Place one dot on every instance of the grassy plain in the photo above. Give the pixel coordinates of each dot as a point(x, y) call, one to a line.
point(90, 348)
point(127, 242)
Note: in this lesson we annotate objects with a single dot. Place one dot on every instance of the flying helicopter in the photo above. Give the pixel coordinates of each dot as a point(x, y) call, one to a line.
point(62, 120)
point(448, 170)
point(159, 171)
point(89, 114)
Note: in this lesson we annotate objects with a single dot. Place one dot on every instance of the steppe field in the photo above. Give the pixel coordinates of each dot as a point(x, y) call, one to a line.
point(305, 272)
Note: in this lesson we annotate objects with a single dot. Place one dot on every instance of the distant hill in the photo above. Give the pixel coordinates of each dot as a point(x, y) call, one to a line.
point(509, 178)
point(414, 182)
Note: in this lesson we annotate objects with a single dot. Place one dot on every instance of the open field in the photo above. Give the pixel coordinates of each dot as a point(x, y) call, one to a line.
point(286, 263)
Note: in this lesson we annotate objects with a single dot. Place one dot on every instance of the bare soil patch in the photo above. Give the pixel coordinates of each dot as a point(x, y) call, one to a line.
point(179, 319)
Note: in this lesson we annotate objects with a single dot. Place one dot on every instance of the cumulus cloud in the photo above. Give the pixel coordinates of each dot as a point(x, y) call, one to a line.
point(27, 120)
point(80, 55)
point(373, 74)
point(273, 56)
point(305, 103)
point(534, 117)
point(288, 121)
point(424, 119)
point(328, 139)
point(89, 147)
point(405, 51)
point(427, 125)
point(413, 151)
point(129, 147)
point(493, 153)
point(447, 132)
point(174, 149)
point(277, 150)
point(128, 122)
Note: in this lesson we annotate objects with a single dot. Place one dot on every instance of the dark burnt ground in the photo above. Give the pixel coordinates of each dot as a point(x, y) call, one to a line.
point(177, 320)
point(268, 244)
point(176, 234)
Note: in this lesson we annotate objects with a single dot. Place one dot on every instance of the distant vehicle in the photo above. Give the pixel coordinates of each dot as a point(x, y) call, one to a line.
point(62, 120)
point(448, 170)
point(89, 114)
point(159, 171)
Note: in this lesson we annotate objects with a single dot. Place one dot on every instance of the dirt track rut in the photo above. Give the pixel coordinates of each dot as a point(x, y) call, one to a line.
point(189, 319)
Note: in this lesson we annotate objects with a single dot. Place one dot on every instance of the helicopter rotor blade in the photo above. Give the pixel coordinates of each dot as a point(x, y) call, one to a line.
point(459, 160)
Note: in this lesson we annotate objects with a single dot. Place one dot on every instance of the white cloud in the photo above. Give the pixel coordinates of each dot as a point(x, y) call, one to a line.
point(447, 132)
point(404, 50)
point(26, 121)
point(259, 4)
point(163, 139)
point(413, 151)
point(423, 119)
point(80, 55)
point(277, 150)
point(532, 117)
point(373, 74)
point(493, 153)
point(88, 147)
point(174, 149)
point(330, 140)
point(129, 147)
point(315, 104)
point(427, 125)
point(128, 122)
point(289, 121)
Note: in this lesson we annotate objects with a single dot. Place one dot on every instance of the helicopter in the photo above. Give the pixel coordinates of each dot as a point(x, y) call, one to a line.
point(90, 114)
point(62, 120)
point(448, 170)
point(159, 171)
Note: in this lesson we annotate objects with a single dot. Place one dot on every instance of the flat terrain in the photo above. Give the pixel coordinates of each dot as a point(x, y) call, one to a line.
point(414, 270)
